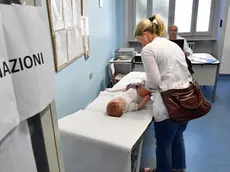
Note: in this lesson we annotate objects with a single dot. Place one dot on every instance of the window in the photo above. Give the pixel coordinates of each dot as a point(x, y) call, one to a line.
point(193, 17)
point(161, 7)
point(183, 15)
point(203, 16)
point(141, 10)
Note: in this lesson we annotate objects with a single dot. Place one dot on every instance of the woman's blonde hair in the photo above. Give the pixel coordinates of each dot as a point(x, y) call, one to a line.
point(154, 25)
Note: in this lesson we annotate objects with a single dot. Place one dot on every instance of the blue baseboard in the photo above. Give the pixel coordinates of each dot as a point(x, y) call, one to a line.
point(224, 75)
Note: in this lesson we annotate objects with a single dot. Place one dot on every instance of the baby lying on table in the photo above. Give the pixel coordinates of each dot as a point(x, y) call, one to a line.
point(133, 98)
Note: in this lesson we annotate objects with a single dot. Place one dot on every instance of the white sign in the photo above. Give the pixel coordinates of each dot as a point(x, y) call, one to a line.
point(27, 74)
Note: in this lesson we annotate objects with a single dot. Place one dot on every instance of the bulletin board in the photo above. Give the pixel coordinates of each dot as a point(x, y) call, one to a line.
point(69, 28)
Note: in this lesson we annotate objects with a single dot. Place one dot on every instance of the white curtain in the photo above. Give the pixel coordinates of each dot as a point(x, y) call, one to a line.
point(16, 153)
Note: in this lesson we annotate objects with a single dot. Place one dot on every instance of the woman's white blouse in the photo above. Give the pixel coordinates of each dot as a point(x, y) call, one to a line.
point(166, 68)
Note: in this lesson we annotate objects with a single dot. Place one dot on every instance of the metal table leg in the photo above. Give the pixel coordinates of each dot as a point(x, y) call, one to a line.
point(214, 93)
point(214, 88)
point(139, 156)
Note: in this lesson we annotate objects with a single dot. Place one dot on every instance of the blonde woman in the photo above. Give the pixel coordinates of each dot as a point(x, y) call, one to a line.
point(166, 68)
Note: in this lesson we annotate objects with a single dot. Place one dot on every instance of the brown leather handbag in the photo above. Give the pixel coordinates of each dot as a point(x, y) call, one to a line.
point(186, 104)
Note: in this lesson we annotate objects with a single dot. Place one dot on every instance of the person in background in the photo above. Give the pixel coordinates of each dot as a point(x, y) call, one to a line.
point(173, 34)
point(166, 68)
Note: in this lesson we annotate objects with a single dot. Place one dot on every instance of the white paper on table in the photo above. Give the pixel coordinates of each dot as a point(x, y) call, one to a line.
point(76, 6)
point(75, 47)
point(16, 153)
point(57, 15)
point(27, 36)
point(93, 143)
point(105, 139)
point(61, 47)
point(202, 58)
point(68, 13)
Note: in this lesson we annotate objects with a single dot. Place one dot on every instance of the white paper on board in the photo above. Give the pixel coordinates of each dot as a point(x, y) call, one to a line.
point(85, 32)
point(70, 44)
point(76, 6)
point(68, 13)
point(75, 46)
point(61, 47)
point(57, 15)
point(79, 36)
point(85, 25)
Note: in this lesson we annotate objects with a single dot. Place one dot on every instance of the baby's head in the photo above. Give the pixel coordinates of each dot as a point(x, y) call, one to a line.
point(115, 107)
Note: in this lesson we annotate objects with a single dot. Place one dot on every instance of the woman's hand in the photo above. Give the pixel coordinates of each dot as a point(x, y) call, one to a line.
point(147, 98)
point(142, 91)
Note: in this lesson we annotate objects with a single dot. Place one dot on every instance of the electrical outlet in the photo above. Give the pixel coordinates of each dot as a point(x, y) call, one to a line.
point(90, 75)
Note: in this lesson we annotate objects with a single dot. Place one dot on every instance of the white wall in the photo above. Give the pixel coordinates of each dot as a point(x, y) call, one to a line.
point(225, 60)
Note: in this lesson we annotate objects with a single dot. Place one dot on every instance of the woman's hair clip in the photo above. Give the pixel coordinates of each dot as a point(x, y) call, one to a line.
point(151, 19)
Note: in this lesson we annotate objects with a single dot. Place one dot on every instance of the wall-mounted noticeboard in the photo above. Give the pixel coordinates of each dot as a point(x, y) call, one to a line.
point(69, 29)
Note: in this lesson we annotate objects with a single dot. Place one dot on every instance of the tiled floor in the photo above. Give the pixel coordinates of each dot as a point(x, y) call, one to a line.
point(207, 139)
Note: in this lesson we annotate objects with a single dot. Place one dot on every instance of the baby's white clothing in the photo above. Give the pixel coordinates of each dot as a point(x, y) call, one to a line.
point(132, 99)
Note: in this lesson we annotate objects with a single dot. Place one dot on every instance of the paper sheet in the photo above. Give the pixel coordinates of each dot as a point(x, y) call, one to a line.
point(197, 58)
point(57, 15)
point(78, 32)
point(75, 43)
point(76, 6)
point(85, 25)
point(104, 144)
point(93, 141)
point(16, 153)
point(68, 13)
point(61, 47)
point(85, 33)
